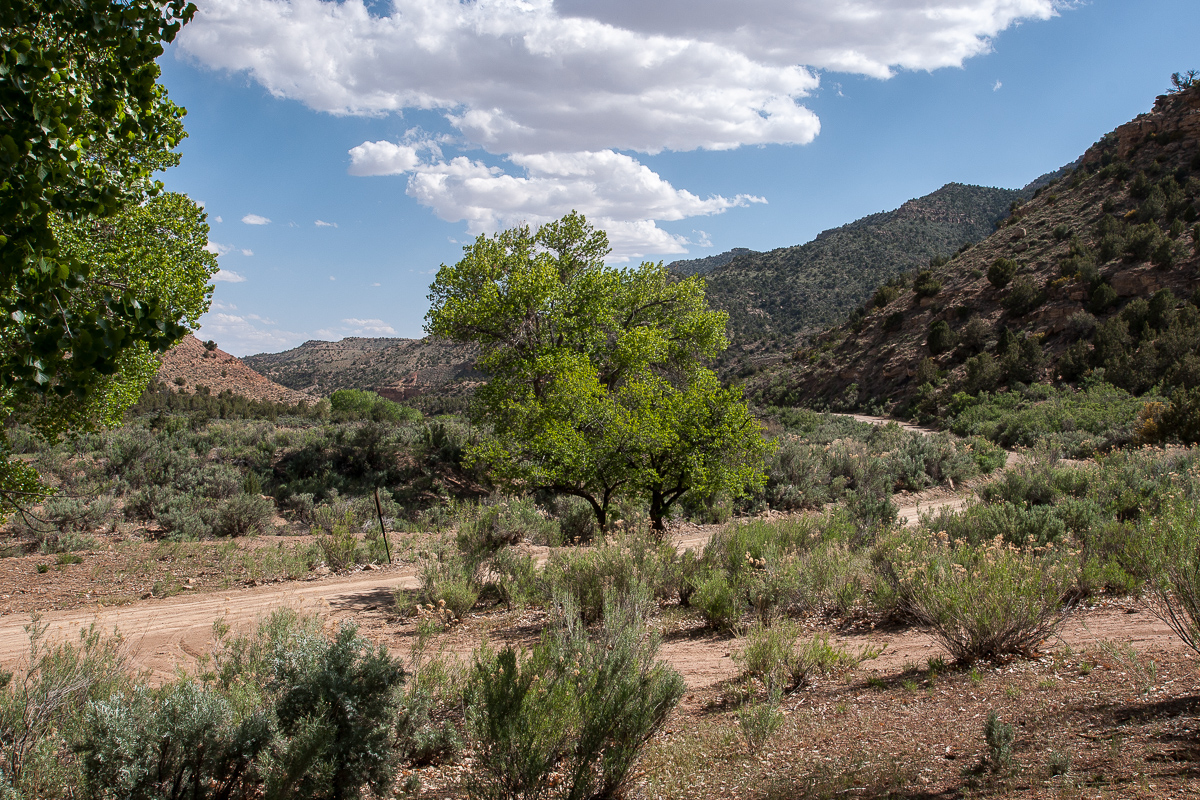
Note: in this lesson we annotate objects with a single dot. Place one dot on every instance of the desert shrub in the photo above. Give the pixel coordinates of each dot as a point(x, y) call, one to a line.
point(734, 547)
point(339, 547)
point(243, 514)
point(718, 601)
point(1001, 272)
point(334, 702)
point(981, 373)
point(620, 562)
point(780, 658)
point(583, 705)
point(1166, 552)
point(988, 457)
point(893, 322)
point(816, 656)
point(331, 703)
point(1016, 525)
point(1165, 254)
point(42, 710)
point(921, 461)
point(941, 338)
point(506, 522)
point(759, 719)
point(449, 578)
point(182, 740)
point(281, 711)
point(515, 576)
point(1141, 241)
point(884, 295)
point(926, 284)
point(1081, 324)
point(424, 732)
point(301, 507)
point(768, 567)
point(181, 516)
point(1040, 481)
point(63, 522)
point(576, 520)
point(999, 738)
point(766, 652)
point(1079, 423)
point(984, 600)
point(1140, 186)
point(796, 476)
point(974, 336)
point(1180, 419)
point(1103, 297)
point(1023, 297)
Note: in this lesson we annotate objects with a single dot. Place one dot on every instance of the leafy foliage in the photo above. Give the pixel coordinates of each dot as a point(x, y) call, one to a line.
point(586, 705)
point(97, 272)
point(596, 387)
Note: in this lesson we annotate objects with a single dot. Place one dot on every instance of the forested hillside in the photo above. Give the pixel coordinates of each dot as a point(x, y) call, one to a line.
point(774, 298)
point(1092, 282)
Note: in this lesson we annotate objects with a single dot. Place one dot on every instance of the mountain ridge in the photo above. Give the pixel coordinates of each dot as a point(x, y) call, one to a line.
point(1083, 279)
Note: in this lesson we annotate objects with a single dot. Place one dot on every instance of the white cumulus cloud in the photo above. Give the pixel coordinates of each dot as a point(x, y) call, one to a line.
point(249, 333)
point(368, 327)
point(323, 224)
point(868, 37)
point(512, 75)
point(613, 190)
point(255, 219)
point(228, 276)
point(523, 76)
point(560, 87)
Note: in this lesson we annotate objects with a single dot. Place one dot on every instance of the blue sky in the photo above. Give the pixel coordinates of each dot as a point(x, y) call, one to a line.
point(343, 152)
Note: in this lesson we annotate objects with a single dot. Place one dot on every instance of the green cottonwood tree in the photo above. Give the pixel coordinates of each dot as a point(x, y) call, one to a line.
point(96, 271)
point(596, 383)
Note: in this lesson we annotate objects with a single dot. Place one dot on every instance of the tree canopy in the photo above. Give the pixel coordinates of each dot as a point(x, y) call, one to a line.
point(84, 127)
point(99, 269)
point(597, 385)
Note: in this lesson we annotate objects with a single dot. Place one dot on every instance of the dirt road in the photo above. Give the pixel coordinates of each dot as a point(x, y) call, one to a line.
point(161, 634)
point(165, 634)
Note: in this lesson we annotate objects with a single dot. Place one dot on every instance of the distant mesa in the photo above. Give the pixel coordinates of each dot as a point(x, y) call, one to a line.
point(398, 369)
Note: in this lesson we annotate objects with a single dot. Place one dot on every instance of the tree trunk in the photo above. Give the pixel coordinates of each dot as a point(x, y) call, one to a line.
point(658, 510)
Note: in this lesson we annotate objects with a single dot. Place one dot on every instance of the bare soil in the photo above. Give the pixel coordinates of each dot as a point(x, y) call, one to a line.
point(1090, 721)
point(889, 728)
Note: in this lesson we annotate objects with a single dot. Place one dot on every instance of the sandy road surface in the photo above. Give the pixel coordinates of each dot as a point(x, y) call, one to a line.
point(163, 633)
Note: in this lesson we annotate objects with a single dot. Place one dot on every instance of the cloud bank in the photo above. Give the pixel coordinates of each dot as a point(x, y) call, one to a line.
point(612, 189)
point(559, 87)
